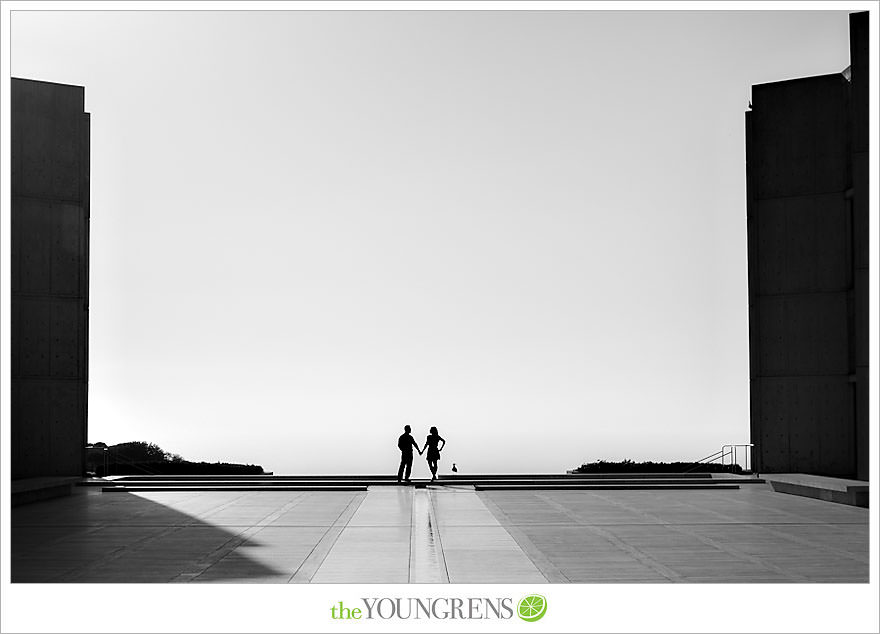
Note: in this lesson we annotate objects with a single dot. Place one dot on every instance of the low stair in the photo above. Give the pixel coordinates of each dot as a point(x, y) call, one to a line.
point(480, 482)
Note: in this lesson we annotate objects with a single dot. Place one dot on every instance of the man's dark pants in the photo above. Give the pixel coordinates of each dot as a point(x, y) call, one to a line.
point(406, 458)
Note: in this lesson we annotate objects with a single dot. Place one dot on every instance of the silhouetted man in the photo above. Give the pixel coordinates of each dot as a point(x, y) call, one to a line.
point(406, 443)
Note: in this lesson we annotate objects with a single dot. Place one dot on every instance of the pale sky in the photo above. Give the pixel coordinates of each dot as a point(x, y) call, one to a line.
point(526, 228)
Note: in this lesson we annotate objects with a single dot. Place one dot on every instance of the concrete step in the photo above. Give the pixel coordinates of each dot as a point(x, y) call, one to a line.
point(523, 486)
point(838, 490)
point(593, 486)
point(286, 482)
point(29, 490)
point(124, 488)
point(451, 476)
point(576, 476)
point(486, 482)
point(249, 478)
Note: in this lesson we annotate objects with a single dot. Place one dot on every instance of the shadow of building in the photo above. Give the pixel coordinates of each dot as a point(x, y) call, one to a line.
point(129, 538)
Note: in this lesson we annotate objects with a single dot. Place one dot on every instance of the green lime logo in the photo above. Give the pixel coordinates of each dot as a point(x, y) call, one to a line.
point(532, 607)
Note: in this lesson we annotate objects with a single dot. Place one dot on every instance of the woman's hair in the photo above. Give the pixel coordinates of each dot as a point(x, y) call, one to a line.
point(433, 430)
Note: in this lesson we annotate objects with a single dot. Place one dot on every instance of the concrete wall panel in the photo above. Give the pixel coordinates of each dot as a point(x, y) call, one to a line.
point(14, 447)
point(49, 250)
point(858, 24)
point(773, 423)
point(67, 339)
point(33, 329)
point(32, 247)
point(47, 139)
point(803, 334)
point(803, 244)
point(68, 250)
point(49, 337)
point(48, 442)
point(859, 63)
point(863, 432)
point(861, 229)
point(808, 425)
point(861, 315)
point(755, 430)
point(799, 132)
point(828, 440)
point(66, 427)
point(30, 433)
point(50, 208)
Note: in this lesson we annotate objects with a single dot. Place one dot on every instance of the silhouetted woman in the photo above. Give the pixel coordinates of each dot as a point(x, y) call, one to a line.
point(431, 444)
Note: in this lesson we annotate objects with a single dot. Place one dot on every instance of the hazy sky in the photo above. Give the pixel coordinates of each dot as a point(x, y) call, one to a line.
point(526, 228)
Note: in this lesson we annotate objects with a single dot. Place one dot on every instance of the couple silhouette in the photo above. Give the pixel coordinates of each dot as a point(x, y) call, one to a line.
point(406, 443)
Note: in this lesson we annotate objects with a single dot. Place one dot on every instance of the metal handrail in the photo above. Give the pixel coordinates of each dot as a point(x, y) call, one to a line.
point(713, 456)
point(726, 450)
point(125, 459)
point(105, 454)
point(707, 459)
point(120, 458)
point(733, 452)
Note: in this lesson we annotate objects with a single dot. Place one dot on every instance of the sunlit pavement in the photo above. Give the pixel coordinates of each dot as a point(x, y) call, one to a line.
point(439, 534)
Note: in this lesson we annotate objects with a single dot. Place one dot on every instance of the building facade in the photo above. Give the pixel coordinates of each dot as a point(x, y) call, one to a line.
point(807, 197)
point(50, 279)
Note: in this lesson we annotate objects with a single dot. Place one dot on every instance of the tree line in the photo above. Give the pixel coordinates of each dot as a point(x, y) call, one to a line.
point(146, 458)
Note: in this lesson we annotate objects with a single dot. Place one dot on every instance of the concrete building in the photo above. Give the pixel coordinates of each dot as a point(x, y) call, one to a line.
point(50, 279)
point(807, 181)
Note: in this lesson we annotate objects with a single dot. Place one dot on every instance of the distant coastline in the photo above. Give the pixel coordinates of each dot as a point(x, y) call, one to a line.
point(143, 458)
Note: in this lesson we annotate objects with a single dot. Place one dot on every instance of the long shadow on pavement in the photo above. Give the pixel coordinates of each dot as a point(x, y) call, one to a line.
point(123, 537)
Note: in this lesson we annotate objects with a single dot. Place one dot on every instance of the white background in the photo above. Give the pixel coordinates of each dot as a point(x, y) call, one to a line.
point(524, 227)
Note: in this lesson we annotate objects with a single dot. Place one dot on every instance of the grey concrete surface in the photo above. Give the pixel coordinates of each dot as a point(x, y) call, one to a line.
point(443, 533)
point(750, 535)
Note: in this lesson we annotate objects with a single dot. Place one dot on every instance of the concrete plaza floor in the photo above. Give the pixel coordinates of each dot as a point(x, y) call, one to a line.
point(440, 534)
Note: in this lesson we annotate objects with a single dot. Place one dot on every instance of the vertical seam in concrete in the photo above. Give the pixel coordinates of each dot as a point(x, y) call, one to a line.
point(444, 570)
point(412, 536)
point(547, 568)
point(313, 561)
point(419, 522)
point(273, 515)
point(217, 508)
point(219, 554)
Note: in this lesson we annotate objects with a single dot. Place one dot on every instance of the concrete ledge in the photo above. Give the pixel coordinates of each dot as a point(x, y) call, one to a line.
point(838, 490)
point(29, 490)
point(354, 481)
point(634, 486)
point(392, 479)
point(360, 483)
point(244, 487)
